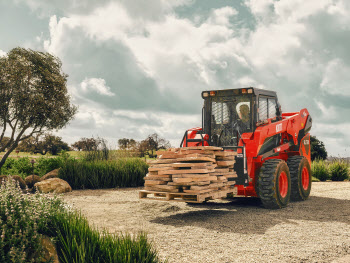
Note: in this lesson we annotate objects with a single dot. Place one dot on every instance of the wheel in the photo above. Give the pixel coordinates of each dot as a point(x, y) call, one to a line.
point(300, 175)
point(274, 184)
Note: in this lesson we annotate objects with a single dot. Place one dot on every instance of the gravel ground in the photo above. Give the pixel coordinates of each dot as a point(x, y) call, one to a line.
point(240, 230)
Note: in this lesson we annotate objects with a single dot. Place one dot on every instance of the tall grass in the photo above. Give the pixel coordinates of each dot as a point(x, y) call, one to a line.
point(78, 242)
point(339, 170)
point(25, 218)
point(81, 174)
point(336, 170)
point(99, 151)
point(320, 170)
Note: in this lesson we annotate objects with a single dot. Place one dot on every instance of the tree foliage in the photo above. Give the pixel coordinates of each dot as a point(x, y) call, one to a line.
point(87, 144)
point(126, 144)
point(33, 96)
point(153, 143)
point(47, 143)
point(318, 150)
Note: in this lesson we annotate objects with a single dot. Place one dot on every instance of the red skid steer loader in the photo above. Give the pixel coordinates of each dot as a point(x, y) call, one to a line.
point(273, 148)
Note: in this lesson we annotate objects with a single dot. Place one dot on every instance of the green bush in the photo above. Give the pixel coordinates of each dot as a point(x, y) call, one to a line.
point(44, 165)
point(339, 170)
point(23, 167)
point(81, 174)
point(320, 170)
point(24, 218)
point(21, 217)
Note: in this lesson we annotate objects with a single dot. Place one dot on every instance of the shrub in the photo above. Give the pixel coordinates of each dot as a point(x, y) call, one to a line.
point(320, 170)
point(81, 174)
point(21, 216)
point(24, 218)
point(339, 170)
point(44, 165)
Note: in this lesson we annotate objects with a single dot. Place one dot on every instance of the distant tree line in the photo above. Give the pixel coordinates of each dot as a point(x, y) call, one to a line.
point(148, 146)
point(52, 144)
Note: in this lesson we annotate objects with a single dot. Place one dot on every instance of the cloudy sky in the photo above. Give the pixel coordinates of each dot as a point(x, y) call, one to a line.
point(138, 66)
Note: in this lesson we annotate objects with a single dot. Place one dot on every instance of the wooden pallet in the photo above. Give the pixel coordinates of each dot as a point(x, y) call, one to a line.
point(186, 197)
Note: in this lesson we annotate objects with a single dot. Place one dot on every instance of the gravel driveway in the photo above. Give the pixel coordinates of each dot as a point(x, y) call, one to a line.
point(240, 230)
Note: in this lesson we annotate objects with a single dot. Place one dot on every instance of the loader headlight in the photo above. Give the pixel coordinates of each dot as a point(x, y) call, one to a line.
point(212, 93)
point(205, 94)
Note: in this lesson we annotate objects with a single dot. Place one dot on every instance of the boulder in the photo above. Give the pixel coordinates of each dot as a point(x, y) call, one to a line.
point(49, 253)
point(52, 174)
point(53, 185)
point(30, 182)
point(17, 178)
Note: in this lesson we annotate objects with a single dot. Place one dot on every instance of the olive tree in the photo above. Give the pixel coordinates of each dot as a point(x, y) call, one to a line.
point(33, 97)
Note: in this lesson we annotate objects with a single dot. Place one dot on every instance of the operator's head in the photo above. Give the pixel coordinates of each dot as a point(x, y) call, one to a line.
point(244, 112)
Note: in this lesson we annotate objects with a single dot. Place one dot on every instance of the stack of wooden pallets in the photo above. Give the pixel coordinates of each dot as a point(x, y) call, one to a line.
point(190, 173)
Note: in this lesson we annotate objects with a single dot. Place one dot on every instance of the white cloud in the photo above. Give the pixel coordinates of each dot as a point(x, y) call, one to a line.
point(2, 53)
point(96, 84)
point(336, 78)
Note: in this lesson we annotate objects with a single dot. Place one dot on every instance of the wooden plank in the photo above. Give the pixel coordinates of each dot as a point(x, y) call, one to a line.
point(198, 155)
point(166, 188)
point(161, 165)
point(189, 175)
point(225, 153)
point(222, 170)
point(156, 169)
point(162, 161)
point(154, 182)
point(196, 192)
point(225, 163)
point(166, 179)
point(196, 159)
point(170, 156)
point(197, 151)
point(193, 179)
point(190, 183)
point(197, 187)
point(191, 164)
point(160, 175)
point(184, 171)
point(213, 148)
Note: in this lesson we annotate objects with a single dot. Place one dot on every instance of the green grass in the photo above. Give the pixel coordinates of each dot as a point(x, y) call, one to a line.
point(25, 218)
point(81, 174)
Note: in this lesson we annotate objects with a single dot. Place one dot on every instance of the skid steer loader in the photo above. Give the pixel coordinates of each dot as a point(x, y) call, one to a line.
point(273, 148)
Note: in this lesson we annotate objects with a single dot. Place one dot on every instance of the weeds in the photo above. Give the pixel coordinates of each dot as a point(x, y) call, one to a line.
point(81, 174)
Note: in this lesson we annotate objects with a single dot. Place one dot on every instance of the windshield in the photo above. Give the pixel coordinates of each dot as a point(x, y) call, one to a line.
point(230, 117)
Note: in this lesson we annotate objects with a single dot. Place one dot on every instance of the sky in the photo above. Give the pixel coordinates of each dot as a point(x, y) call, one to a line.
point(137, 67)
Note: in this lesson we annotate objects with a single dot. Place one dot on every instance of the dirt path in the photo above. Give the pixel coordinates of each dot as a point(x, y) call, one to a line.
point(317, 230)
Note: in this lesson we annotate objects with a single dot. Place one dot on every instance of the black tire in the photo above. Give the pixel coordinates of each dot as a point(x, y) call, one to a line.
point(274, 184)
point(301, 183)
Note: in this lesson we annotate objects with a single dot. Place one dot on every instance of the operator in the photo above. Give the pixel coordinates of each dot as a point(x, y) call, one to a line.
point(244, 118)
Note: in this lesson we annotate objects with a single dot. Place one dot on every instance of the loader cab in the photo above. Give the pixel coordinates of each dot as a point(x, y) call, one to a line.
point(227, 114)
